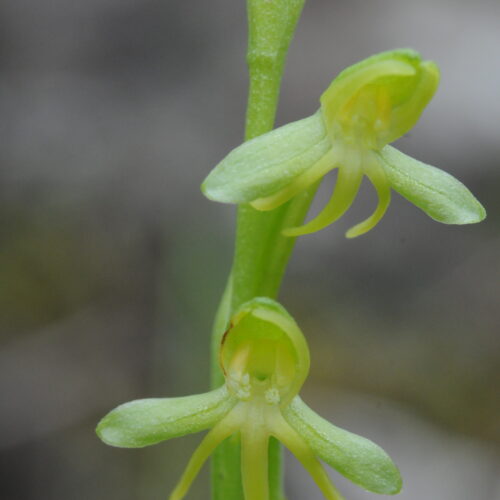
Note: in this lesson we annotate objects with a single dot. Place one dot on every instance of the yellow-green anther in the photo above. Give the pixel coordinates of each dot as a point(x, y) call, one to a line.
point(265, 352)
point(379, 99)
point(265, 360)
point(368, 106)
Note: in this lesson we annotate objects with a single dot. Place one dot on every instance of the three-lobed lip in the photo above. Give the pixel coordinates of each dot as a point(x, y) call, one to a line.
point(265, 359)
point(367, 106)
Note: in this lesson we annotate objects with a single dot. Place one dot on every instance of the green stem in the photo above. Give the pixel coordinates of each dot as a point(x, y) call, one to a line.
point(261, 252)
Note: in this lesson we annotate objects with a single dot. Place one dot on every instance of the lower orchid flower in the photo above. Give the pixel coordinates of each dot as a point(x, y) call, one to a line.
point(265, 360)
point(368, 106)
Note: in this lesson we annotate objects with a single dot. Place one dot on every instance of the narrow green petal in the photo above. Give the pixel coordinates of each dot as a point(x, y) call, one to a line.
point(304, 454)
point(376, 174)
point(264, 165)
point(254, 463)
point(346, 189)
point(438, 194)
point(300, 183)
point(220, 432)
point(357, 458)
point(148, 421)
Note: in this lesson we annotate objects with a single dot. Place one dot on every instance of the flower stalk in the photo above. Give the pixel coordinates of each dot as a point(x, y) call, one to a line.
point(260, 358)
point(261, 251)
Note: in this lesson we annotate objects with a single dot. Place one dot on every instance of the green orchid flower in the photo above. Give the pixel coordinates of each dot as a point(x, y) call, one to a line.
point(367, 106)
point(265, 360)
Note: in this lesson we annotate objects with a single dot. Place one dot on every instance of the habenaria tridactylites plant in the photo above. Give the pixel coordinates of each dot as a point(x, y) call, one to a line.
point(263, 355)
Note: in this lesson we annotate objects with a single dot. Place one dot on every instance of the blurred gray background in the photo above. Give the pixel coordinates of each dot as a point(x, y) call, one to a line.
point(112, 262)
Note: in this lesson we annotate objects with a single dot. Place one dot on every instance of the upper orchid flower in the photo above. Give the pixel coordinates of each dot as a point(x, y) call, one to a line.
point(367, 106)
point(265, 360)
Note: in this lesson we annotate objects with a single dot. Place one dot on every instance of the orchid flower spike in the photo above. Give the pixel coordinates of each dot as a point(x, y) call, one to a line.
point(368, 105)
point(265, 360)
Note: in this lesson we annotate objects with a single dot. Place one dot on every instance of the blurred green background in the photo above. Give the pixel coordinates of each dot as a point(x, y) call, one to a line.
point(112, 262)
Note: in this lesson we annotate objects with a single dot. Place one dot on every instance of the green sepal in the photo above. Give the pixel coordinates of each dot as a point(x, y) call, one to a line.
point(266, 164)
point(355, 457)
point(148, 421)
point(408, 81)
point(270, 330)
point(437, 193)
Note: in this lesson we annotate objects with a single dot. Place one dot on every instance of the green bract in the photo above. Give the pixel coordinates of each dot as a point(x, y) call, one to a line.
point(367, 106)
point(265, 360)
